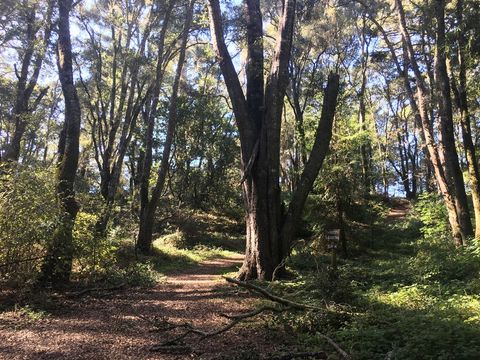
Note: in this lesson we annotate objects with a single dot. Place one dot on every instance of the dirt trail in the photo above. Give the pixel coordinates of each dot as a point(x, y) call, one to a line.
point(109, 327)
point(399, 209)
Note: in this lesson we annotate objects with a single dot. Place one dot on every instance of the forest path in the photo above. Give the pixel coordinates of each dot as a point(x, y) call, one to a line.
point(399, 209)
point(112, 325)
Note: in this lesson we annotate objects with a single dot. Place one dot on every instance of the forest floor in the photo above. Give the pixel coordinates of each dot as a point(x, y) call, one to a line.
point(395, 297)
point(120, 324)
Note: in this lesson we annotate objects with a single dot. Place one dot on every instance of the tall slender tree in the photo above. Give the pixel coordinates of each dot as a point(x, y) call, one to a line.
point(148, 208)
point(58, 264)
point(443, 98)
point(27, 76)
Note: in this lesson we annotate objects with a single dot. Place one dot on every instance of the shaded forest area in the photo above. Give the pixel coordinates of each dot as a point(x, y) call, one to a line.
point(227, 179)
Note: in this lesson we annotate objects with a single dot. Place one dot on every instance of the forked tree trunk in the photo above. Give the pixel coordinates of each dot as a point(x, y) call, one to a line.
point(31, 65)
point(58, 264)
point(258, 117)
point(122, 118)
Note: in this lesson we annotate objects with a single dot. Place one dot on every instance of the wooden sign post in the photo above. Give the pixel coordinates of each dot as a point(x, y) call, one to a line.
point(333, 239)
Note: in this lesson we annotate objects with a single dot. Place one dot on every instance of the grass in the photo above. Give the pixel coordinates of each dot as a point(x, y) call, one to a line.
point(408, 298)
point(187, 242)
point(169, 258)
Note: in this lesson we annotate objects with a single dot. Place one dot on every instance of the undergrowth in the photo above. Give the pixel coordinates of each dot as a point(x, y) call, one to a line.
point(408, 294)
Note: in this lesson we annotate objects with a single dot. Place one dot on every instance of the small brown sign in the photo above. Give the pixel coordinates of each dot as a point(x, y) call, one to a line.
point(333, 237)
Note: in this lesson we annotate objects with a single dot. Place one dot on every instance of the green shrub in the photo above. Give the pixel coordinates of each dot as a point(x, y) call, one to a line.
point(433, 216)
point(176, 239)
point(93, 254)
point(135, 274)
point(28, 215)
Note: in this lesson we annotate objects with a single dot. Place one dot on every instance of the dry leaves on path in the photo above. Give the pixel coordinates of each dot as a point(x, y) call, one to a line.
point(113, 326)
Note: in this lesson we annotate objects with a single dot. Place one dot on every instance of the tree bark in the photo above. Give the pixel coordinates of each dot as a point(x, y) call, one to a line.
point(445, 113)
point(320, 148)
point(419, 105)
point(365, 147)
point(150, 117)
point(259, 125)
point(144, 239)
point(58, 264)
point(460, 97)
point(122, 118)
point(25, 86)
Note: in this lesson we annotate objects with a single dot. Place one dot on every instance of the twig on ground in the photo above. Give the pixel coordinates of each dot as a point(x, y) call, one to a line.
point(300, 355)
point(94, 289)
point(255, 312)
point(172, 349)
point(286, 304)
point(167, 326)
point(290, 304)
point(336, 346)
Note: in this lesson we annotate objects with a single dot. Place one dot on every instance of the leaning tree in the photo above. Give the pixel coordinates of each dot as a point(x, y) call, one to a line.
point(258, 113)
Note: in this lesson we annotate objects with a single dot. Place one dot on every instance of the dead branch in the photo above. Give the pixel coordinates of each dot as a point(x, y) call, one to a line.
point(336, 346)
point(95, 289)
point(173, 349)
point(255, 312)
point(272, 297)
point(167, 326)
point(301, 355)
point(289, 304)
point(164, 325)
point(22, 261)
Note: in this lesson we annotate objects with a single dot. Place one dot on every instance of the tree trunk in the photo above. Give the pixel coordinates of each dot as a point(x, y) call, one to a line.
point(320, 148)
point(146, 159)
point(444, 100)
point(58, 264)
point(420, 107)
point(144, 239)
point(25, 86)
point(258, 117)
point(460, 96)
point(365, 147)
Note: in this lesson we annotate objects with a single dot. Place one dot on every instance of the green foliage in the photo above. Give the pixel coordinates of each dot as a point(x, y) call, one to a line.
point(176, 239)
point(93, 254)
point(408, 297)
point(433, 215)
point(30, 314)
point(28, 215)
point(134, 274)
point(206, 157)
